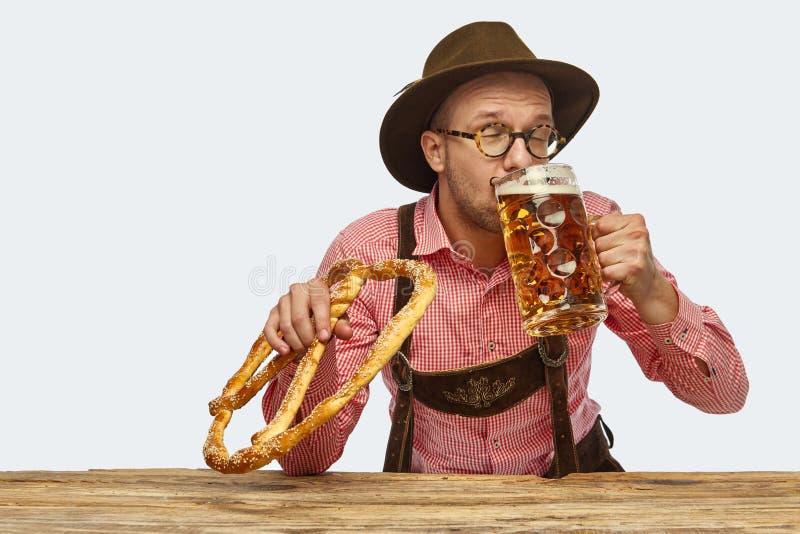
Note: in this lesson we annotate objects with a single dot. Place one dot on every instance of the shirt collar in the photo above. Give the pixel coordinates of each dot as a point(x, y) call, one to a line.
point(428, 229)
point(431, 237)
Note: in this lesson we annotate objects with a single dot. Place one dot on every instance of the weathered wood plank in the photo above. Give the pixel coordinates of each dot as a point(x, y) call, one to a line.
point(204, 501)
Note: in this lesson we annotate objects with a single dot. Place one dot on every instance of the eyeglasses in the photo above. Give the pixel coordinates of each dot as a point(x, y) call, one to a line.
point(494, 140)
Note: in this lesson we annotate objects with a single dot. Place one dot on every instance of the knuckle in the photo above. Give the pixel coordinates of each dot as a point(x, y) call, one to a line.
point(319, 293)
point(297, 289)
point(316, 288)
point(640, 234)
point(298, 317)
point(638, 219)
point(636, 268)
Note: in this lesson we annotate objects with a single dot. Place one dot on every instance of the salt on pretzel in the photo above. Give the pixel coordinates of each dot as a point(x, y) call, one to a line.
point(277, 438)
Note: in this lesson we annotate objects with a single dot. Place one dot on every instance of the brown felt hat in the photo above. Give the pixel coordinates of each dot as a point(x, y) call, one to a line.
point(467, 53)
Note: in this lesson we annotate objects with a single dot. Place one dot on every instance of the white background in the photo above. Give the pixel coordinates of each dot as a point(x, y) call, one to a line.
point(168, 168)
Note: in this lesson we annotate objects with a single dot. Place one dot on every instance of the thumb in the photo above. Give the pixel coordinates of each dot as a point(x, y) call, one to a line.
point(343, 330)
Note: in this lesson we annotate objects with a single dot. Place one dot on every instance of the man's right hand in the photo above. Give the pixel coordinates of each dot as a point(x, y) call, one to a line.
point(301, 315)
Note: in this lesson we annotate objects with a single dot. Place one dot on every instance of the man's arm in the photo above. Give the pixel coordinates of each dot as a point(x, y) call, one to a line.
point(674, 340)
point(693, 355)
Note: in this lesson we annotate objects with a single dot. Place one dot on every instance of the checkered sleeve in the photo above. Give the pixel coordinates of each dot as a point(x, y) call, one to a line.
point(669, 352)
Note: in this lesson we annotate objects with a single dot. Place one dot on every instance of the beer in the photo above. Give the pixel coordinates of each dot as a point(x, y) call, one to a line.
point(554, 268)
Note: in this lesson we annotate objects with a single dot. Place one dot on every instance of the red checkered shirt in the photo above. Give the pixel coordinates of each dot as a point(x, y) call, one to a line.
point(475, 319)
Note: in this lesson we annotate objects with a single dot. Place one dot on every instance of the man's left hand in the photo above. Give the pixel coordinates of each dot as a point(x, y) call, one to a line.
point(623, 248)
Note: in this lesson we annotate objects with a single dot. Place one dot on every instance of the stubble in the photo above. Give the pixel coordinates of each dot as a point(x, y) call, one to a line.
point(473, 210)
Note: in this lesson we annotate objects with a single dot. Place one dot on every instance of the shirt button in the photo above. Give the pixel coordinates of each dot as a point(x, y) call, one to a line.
point(491, 345)
point(668, 340)
point(496, 444)
point(683, 334)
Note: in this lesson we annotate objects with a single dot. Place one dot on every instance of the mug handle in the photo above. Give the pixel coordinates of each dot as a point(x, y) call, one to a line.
point(609, 288)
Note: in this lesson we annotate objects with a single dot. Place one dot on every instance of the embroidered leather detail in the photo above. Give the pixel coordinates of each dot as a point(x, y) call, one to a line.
point(479, 393)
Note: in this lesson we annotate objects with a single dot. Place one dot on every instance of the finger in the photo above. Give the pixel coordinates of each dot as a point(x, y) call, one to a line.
point(610, 223)
point(343, 330)
point(615, 274)
point(624, 264)
point(606, 243)
point(610, 231)
point(301, 314)
point(615, 256)
point(596, 229)
point(287, 328)
point(271, 333)
point(320, 308)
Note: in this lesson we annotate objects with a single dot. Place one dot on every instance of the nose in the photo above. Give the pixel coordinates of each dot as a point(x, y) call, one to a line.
point(518, 156)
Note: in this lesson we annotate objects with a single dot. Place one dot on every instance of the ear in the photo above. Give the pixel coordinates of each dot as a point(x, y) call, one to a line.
point(434, 150)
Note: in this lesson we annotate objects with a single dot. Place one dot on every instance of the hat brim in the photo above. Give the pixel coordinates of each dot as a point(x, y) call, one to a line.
point(574, 92)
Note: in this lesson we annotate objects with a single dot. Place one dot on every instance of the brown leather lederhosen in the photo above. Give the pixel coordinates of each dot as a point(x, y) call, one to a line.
point(488, 389)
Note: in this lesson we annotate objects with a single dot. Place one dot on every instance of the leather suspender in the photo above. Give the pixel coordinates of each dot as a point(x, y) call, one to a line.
point(565, 460)
point(398, 450)
point(526, 370)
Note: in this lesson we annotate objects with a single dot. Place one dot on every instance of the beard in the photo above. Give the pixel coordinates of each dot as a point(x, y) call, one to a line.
point(474, 212)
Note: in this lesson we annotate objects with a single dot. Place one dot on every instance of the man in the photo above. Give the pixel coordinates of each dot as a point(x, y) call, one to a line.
point(478, 75)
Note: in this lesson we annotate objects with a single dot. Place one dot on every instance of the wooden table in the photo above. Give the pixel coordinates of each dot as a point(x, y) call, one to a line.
point(269, 501)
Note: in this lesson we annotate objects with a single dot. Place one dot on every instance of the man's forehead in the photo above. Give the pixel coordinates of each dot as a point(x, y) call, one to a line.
point(494, 116)
point(518, 85)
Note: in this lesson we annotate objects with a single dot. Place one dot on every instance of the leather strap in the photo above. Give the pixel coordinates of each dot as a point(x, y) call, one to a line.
point(565, 460)
point(398, 449)
point(593, 453)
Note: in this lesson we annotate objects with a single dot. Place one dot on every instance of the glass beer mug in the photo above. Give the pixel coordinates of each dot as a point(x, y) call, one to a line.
point(554, 267)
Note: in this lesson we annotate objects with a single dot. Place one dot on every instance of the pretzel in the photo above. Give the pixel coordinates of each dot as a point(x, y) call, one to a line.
point(277, 438)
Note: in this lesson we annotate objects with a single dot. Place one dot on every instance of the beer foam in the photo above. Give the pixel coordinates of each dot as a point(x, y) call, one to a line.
point(537, 180)
point(514, 188)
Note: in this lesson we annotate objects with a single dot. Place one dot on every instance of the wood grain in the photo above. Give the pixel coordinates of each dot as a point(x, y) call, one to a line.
point(269, 501)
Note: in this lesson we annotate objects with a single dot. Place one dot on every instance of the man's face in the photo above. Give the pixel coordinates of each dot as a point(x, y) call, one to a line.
point(518, 100)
